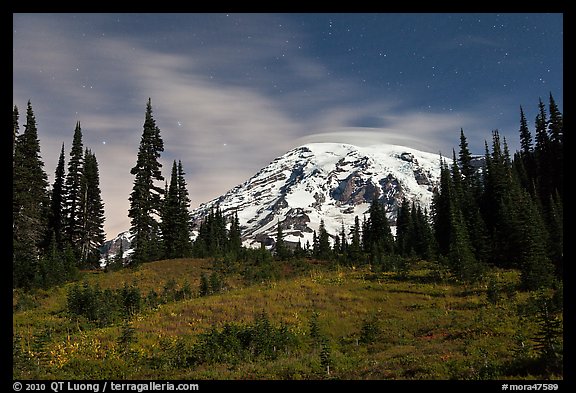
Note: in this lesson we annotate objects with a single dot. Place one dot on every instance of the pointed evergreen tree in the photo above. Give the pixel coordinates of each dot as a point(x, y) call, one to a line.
point(498, 182)
point(377, 234)
point(235, 236)
point(355, 249)
point(525, 163)
point(176, 217)
point(527, 240)
point(452, 233)
point(184, 222)
point(145, 199)
point(468, 189)
point(324, 249)
point(441, 210)
point(170, 211)
point(556, 133)
point(315, 245)
point(343, 241)
point(72, 221)
point(526, 147)
point(30, 203)
point(469, 175)
point(421, 236)
point(91, 214)
point(280, 246)
point(544, 156)
point(58, 195)
point(404, 229)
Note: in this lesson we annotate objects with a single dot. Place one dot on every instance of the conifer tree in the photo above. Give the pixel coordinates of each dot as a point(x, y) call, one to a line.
point(544, 156)
point(91, 214)
point(450, 228)
point(527, 240)
point(441, 210)
point(468, 184)
point(355, 249)
point(556, 136)
point(377, 234)
point(404, 229)
point(72, 209)
point(56, 218)
point(498, 184)
point(343, 241)
point(280, 247)
point(235, 236)
point(524, 161)
point(175, 220)
point(145, 199)
point(170, 211)
point(30, 203)
point(324, 249)
point(184, 220)
point(526, 146)
point(421, 237)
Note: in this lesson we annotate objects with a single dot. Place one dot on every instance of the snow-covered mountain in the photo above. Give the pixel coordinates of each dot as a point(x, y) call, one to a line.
point(326, 181)
point(110, 248)
point(319, 181)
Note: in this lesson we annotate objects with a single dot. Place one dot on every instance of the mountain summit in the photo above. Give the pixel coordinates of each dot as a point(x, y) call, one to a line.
point(326, 181)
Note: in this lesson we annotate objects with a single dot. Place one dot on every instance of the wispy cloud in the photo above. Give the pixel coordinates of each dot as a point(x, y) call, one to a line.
point(222, 110)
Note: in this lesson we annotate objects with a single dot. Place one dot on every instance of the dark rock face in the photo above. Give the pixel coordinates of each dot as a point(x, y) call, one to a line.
point(354, 190)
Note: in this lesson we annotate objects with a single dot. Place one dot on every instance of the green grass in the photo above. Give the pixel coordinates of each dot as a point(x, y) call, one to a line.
point(422, 329)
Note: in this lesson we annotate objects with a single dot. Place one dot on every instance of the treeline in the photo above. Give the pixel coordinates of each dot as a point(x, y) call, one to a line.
point(509, 214)
point(58, 230)
point(506, 213)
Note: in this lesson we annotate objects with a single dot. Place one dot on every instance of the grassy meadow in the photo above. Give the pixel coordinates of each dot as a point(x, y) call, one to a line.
point(309, 321)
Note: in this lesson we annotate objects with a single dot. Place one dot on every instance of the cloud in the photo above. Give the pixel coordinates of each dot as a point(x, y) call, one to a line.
point(221, 108)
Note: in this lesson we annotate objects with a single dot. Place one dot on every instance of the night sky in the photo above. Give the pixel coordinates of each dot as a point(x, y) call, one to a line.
point(231, 92)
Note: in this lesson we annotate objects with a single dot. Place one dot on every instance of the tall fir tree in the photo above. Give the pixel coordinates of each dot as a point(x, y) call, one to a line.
point(343, 242)
point(57, 204)
point(30, 203)
point(169, 225)
point(526, 147)
point(377, 233)
point(404, 229)
point(544, 156)
point(497, 187)
point(524, 162)
point(145, 199)
point(91, 214)
point(451, 231)
point(556, 136)
point(355, 248)
point(441, 210)
point(184, 241)
point(175, 217)
point(279, 246)
point(324, 249)
point(421, 236)
point(469, 191)
point(235, 236)
point(73, 185)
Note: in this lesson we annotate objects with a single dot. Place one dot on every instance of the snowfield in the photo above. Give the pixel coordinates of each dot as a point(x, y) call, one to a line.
point(333, 182)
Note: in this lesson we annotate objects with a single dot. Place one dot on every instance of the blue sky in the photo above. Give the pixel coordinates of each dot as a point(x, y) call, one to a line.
point(230, 92)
